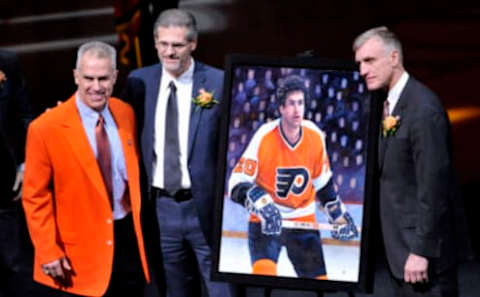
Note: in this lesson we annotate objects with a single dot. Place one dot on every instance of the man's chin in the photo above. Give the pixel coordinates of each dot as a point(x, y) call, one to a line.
point(172, 68)
point(373, 86)
point(97, 104)
point(170, 64)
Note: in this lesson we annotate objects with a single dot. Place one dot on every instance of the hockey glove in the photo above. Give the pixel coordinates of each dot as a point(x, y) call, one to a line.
point(346, 231)
point(259, 202)
point(344, 226)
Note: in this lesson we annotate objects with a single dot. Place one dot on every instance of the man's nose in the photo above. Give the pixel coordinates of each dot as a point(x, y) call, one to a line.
point(363, 69)
point(96, 84)
point(297, 107)
point(169, 50)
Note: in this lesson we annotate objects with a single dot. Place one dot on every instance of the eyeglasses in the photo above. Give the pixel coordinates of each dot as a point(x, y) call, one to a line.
point(176, 46)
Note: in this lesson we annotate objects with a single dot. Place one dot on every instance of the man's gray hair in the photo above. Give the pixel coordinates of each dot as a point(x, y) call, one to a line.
point(100, 49)
point(177, 18)
point(388, 38)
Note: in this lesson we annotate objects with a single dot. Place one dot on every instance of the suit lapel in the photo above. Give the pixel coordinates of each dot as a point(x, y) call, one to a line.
point(199, 82)
point(382, 95)
point(381, 147)
point(74, 132)
point(151, 105)
point(398, 110)
point(128, 145)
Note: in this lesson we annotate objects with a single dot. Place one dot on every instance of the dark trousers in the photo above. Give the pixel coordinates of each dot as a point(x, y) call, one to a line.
point(127, 275)
point(304, 249)
point(444, 284)
point(180, 234)
point(10, 249)
point(16, 254)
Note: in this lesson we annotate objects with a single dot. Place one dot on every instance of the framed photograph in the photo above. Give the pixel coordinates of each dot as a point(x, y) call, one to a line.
point(296, 169)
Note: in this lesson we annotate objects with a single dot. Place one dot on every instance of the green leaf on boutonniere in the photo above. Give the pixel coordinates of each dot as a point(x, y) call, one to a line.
point(390, 125)
point(204, 99)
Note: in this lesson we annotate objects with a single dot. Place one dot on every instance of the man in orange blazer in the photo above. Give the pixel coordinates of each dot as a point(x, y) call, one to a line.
point(81, 188)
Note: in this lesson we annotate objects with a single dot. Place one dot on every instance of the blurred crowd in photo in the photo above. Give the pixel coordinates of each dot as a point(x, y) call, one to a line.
point(338, 104)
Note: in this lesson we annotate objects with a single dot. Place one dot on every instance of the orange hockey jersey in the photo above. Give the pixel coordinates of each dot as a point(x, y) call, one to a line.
point(291, 174)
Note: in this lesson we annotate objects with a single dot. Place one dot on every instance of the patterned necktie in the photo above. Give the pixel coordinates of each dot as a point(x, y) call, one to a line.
point(172, 174)
point(103, 156)
point(386, 109)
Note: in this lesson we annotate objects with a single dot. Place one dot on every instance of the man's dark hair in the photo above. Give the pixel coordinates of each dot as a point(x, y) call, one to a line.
point(177, 18)
point(290, 84)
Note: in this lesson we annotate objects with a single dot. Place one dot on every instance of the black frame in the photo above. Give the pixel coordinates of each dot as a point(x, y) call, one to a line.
point(370, 110)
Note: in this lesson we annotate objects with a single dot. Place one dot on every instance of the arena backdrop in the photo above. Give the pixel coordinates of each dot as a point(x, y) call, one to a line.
point(339, 104)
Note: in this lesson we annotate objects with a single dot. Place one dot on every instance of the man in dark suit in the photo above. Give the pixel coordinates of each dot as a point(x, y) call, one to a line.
point(416, 172)
point(15, 115)
point(179, 140)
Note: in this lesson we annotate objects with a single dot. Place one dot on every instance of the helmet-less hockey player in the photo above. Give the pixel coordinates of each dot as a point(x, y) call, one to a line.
point(284, 169)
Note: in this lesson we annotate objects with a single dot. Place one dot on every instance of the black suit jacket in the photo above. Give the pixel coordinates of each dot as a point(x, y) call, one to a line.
point(417, 183)
point(15, 114)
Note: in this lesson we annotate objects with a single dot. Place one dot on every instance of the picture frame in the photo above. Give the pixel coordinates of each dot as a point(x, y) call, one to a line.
point(347, 116)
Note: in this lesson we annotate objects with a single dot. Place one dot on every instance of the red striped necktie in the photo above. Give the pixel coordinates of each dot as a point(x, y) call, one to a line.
point(104, 156)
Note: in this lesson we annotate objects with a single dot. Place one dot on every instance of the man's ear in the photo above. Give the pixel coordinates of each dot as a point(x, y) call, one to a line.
point(76, 76)
point(115, 76)
point(395, 57)
point(194, 44)
point(280, 109)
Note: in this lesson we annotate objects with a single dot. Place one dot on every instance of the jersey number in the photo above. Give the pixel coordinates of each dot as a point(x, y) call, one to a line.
point(247, 166)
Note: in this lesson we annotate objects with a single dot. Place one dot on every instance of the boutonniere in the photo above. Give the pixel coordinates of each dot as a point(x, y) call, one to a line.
point(3, 78)
point(390, 125)
point(204, 99)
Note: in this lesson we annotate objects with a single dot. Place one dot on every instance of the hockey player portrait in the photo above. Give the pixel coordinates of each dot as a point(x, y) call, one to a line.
point(280, 179)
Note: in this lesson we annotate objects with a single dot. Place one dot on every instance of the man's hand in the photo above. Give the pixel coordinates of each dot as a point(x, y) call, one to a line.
point(18, 184)
point(416, 269)
point(58, 104)
point(259, 202)
point(60, 270)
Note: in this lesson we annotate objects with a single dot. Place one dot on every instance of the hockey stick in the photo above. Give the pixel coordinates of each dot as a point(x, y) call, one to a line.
point(309, 225)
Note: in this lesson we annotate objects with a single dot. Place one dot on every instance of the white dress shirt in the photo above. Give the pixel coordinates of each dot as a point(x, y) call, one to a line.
point(89, 119)
point(184, 84)
point(396, 91)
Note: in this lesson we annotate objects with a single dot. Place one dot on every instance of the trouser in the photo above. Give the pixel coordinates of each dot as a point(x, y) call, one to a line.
point(180, 234)
point(16, 254)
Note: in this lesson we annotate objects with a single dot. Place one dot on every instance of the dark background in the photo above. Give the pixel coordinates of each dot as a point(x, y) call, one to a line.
point(440, 39)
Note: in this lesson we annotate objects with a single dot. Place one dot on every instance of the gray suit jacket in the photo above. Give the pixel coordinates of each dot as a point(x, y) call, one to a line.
point(417, 183)
point(142, 92)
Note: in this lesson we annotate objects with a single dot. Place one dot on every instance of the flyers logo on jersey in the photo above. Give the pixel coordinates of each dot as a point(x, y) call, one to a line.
point(293, 180)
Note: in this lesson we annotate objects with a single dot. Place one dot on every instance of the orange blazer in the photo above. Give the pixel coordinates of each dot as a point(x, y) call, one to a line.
point(65, 200)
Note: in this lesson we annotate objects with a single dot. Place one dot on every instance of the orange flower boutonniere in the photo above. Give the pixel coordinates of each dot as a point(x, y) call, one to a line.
point(204, 99)
point(3, 78)
point(390, 125)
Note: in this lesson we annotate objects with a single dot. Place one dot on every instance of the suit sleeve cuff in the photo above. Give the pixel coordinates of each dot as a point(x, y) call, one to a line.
point(428, 247)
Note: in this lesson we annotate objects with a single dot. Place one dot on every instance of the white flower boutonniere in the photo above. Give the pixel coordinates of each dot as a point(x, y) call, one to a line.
point(204, 99)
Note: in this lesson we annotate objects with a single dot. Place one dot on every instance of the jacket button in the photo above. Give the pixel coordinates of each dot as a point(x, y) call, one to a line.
point(109, 242)
point(109, 221)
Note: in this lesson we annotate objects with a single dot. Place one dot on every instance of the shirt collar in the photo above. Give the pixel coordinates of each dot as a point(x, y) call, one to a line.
point(394, 93)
